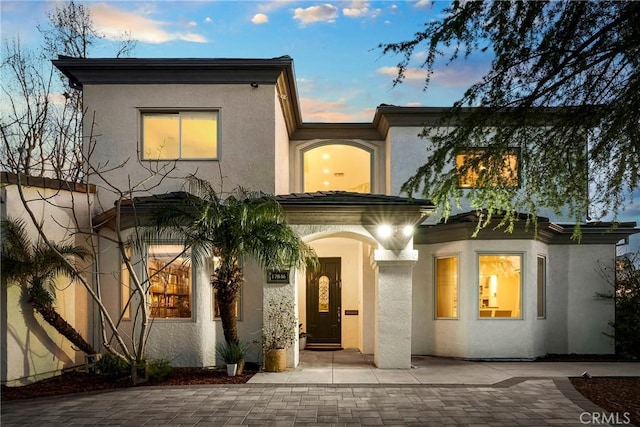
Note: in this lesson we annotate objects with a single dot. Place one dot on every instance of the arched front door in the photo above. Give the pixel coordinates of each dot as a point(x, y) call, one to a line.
point(324, 288)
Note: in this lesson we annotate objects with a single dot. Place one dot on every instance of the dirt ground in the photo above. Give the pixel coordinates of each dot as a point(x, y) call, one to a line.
point(612, 394)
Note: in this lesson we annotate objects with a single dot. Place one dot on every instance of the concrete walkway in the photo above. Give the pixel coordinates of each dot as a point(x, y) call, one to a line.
point(503, 394)
point(351, 367)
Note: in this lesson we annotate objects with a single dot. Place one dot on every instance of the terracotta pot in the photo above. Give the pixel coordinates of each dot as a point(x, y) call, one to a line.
point(275, 360)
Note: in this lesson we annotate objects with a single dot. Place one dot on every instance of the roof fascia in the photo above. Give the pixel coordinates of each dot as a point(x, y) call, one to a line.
point(365, 131)
point(172, 70)
point(549, 233)
point(9, 178)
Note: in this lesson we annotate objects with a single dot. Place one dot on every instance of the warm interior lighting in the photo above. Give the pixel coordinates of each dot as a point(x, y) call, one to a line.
point(348, 166)
point(470, 178)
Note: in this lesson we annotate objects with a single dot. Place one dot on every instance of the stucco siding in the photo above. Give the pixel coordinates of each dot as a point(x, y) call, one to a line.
point(587, 315)
point(246, 119)
point(282, 163)
point(32, 349)
point(469, 335)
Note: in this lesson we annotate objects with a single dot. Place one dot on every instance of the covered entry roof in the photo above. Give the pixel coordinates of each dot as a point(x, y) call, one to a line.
point(344, 207)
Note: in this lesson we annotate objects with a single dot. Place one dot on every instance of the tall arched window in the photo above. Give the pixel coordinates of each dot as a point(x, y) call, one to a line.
point(337, 167)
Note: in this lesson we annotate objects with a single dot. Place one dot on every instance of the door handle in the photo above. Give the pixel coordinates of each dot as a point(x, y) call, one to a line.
point(339, 314)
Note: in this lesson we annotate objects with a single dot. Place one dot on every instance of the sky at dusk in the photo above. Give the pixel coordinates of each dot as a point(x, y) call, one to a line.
point(341, 73)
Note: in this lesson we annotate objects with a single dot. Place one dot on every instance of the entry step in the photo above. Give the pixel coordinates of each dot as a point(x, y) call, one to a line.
point(321, 347)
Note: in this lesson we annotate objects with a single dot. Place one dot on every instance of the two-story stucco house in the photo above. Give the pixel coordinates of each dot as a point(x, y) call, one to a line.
point(394, 282)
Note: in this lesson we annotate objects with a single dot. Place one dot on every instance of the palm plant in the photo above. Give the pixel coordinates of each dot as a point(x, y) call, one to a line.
point(242, 224)
point(35, 267)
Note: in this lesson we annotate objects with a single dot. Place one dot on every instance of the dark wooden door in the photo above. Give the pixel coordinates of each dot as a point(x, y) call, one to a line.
point(323, 303)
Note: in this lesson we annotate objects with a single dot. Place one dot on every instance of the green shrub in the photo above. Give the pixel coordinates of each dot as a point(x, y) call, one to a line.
point(159, 370)
point(233, 352)
point(113, 366)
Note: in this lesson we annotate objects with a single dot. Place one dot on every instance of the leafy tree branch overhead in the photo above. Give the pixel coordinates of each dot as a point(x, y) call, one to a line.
point(573, 67)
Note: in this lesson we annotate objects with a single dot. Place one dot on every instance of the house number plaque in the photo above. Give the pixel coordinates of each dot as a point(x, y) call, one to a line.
point(278, 276)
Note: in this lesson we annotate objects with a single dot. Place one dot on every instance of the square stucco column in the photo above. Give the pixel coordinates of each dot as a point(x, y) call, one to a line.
point(275, 292)
point(392, 348)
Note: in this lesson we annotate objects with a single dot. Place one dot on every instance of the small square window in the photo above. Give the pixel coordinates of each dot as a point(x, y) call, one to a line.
point(187, 135)
point(475, 172)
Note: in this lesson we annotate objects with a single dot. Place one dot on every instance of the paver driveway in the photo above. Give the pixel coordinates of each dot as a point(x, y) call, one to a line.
point(533, 402)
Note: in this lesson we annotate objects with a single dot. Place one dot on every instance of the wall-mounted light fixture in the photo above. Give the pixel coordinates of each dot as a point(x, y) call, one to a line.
point(386, 231)
point(254, 85)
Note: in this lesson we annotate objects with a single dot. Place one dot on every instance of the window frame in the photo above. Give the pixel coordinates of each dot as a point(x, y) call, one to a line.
point(541, 300)
point(192, 295)
point(435, 286)
point(479, 151)
point(179, 112)
point(124, 272)
point(477, 283)
point(376, 167)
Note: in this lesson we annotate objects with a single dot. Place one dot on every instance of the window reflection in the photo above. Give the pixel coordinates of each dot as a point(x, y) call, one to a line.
point(184, 135)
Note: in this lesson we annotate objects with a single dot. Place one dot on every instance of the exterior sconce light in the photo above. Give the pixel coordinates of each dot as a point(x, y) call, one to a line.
point(386, 231)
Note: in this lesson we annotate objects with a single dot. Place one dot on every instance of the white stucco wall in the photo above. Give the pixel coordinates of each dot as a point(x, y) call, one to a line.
point(281, 161)
point(31, 349)
point(189, 342)
point(574, 323)
point(246, 119)
point(588, 316)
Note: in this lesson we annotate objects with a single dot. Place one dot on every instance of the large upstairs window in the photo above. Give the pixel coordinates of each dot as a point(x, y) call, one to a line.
point(473, 171)
point(339, 167)
point(180, 135)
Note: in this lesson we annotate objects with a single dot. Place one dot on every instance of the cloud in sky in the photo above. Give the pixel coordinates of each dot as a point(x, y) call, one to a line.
point(446, 77)
point(412, 76)
point(273, 5)
point(316, 110)
point(356, 9)
point(113, 23)
point(320, 13)
point(260, 18)
point(423, 3)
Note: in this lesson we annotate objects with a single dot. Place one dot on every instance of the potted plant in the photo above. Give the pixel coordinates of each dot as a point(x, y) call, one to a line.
point(233, 355)
point(302, 337)
point(278, 333)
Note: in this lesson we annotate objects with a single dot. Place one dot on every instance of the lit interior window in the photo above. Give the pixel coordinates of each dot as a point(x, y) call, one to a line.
point(447, 287)
point(472, 177)
point(500, 286)
point(337, 167)
point(170, 282)
point(185, 135)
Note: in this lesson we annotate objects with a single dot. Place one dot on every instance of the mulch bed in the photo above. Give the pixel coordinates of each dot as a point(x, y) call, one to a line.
point(616, 395)
point(78, 382)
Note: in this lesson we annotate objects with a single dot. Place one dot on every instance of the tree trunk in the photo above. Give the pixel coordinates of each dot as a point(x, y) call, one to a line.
point(51, 316)
point(227, 306)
